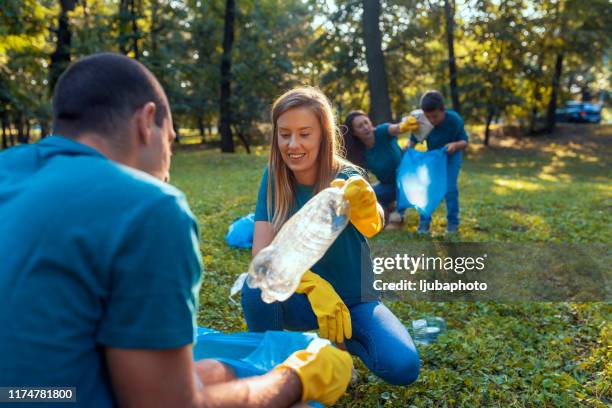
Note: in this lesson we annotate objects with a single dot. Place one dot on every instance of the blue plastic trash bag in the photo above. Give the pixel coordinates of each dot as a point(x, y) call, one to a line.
point(251, 354)
point(421, 180)
point(240, 233)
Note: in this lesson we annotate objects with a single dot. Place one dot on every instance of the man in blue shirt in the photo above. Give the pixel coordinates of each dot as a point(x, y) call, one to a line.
point(100, 263)
point(448, 131)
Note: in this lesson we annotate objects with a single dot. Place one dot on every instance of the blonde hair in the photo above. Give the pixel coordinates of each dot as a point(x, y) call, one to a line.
point(281, 181)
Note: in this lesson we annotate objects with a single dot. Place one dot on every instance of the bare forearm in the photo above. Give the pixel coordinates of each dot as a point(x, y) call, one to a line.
point(459, 145)
point(454, 147)
point(279, 388)
point(263, 235)
point(210, 371)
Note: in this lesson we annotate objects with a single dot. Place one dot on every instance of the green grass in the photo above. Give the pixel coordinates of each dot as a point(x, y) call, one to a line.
point(519, 354)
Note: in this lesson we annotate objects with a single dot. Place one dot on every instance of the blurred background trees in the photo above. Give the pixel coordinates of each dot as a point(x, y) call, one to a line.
point(498, 61)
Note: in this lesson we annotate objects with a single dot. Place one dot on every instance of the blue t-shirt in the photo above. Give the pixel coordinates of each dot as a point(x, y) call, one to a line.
point(450, 130)
point(93, 254)
point(384, 157)
point(347, 264)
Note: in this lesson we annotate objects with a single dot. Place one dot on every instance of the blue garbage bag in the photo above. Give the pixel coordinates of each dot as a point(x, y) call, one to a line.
point(421, 180)
point(240, 233)
point(251, 354)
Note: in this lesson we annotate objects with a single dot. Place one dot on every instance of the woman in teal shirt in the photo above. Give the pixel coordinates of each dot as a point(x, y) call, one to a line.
point(336, 296)
point(376, 149)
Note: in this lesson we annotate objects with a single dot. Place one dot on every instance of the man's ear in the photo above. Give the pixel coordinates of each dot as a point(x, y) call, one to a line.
point(145, 122)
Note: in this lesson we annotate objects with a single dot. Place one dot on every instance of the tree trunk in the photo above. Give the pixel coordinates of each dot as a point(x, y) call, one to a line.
point(177, 129)
point(20, 131)
point(380, 104)
point(44, 128)
point(225, 113)
point(244, 140)
point(570, 83)
point(4, 133)
point(449, 13)
point(534, 110)
point(123, 12)
point(11, 134)
point(585, 94)
point(552, 105)
point(532, 120)
point(154, 30)
point(490, 114)
point(135, 34)
point(201, 125)
point(61, 56)
point(26, 133)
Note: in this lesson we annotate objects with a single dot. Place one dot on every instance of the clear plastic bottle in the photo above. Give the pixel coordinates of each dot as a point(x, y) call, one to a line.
point(301, 242)
point(427, 330)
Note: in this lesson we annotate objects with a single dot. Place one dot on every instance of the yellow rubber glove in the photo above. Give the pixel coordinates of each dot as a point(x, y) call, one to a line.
point(332, 314)
point(324, 370)
point(364, 213)
point(410, 124)
point(420, 147)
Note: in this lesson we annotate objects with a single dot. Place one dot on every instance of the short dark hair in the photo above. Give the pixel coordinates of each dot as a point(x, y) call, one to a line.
point(431, 101)
point(99, 93)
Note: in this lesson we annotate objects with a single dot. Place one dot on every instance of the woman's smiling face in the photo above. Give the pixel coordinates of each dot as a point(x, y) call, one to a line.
point(299, 142)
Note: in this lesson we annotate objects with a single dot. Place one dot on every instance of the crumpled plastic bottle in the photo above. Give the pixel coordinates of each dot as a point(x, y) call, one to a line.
point(301, 242)
point(425, 125)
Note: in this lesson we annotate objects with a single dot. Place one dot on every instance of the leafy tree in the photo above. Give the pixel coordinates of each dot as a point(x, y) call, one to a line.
point(267, 55)
point(203, 74)
point(24, 47)
point(336, 62)
point(574, 28)
point(167, 52)
point(503, 60)
point(129, 33)
point(492, 71)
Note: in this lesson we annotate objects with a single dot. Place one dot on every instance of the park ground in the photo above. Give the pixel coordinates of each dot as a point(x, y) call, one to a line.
point(547, 189)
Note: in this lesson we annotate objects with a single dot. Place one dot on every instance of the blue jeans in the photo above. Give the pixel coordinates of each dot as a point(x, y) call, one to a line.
point(385, 193)
point(379, 338)
point(453, 165)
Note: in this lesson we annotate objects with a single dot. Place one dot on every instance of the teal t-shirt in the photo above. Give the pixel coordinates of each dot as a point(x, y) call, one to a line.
point(347, 264)
point(385, 156)
point(93, 254)
point(450, 130)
